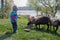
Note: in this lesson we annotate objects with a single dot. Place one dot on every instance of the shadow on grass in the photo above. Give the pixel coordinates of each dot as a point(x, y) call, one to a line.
point(49, 31)
point(6, 35)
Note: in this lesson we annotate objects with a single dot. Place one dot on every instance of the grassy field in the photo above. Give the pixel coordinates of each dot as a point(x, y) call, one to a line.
point(6, 32)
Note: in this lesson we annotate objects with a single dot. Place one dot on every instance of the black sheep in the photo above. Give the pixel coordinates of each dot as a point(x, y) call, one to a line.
point(56, 24)
point(42, 20)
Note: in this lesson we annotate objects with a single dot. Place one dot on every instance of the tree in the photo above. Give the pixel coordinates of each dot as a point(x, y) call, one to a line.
point(52, 5)
point(8, 7)
point(46, 6)
point(34, 4)
point(2, 8)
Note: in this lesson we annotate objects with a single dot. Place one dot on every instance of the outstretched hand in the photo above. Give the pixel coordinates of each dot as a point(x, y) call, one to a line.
point(19, 16)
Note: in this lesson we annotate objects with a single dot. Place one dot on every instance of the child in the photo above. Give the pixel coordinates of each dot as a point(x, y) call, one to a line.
point(13, 18)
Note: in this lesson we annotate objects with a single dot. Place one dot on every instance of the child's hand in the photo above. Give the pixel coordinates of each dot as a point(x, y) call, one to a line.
point(19, 16)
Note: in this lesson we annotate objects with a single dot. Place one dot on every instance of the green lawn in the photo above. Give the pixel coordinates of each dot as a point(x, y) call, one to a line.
point(6, 29)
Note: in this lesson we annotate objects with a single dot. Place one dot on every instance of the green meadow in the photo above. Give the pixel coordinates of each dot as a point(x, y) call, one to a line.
point(6, 31)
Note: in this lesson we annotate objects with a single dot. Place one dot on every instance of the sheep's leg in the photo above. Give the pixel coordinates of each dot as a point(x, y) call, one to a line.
point(36, 26)
point(56, 28)
point(47, 27)
point(39, 26)
point(50, 27)
point(50, 24)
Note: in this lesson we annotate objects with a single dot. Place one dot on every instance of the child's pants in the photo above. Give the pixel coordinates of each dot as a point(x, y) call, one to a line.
point(14, 26)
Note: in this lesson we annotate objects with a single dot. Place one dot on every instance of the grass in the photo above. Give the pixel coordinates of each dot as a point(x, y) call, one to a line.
point(6, 29)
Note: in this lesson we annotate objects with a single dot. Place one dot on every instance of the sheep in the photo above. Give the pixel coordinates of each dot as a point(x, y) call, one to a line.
point(56, 24)
point(41, 20)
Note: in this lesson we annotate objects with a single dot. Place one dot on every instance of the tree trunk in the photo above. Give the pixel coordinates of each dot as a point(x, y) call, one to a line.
point(2, 8)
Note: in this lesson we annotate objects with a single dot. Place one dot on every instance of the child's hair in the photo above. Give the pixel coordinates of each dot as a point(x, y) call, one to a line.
point(15, 8)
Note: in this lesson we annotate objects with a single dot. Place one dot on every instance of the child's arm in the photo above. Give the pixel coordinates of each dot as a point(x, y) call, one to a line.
point(14, 18)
